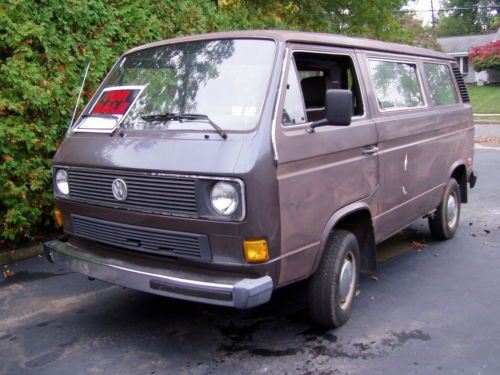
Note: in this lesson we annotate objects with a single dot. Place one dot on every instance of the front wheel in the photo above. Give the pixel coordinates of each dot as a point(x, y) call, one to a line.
point(332, 288)
point(444, 223)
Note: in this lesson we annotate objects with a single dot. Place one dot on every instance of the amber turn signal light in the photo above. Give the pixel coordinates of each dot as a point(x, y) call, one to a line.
point(58, 218)
point(256, 251)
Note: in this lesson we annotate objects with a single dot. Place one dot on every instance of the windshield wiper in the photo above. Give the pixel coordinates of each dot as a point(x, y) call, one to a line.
point(181, 117)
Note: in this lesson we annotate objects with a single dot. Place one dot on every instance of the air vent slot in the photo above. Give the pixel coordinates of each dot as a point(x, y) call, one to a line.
point(461, 84)
point(142, 239)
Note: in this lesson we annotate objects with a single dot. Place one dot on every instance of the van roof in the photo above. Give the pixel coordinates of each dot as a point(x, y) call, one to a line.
point(307, 37)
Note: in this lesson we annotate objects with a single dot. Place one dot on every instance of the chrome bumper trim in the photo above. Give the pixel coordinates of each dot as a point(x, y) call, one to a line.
point(239, 293)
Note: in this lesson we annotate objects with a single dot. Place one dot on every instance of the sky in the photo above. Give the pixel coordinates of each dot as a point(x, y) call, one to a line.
point(421, 5)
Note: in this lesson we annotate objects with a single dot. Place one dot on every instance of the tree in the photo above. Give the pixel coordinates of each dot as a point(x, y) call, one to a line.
point(369, 18)
point(415, 33)
point(486, 57)
point(466, 17)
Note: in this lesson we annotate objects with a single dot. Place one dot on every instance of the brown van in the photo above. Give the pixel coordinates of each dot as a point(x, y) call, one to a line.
point(217, 168)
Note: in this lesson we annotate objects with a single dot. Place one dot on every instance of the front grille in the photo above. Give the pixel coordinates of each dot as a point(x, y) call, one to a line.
point(146, 191)
point(149, 240)
point(461, 84)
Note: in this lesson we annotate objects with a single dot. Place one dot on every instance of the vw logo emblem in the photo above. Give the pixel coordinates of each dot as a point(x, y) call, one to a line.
point(119, 188)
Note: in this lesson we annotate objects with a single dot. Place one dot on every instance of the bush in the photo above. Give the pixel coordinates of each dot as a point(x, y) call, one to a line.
point(486, 57)
point(45, 45)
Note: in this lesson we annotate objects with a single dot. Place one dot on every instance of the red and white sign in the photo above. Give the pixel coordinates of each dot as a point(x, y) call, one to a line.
point(114, 102)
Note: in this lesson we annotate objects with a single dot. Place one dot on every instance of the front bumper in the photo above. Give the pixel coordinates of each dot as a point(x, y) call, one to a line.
point(239, 293)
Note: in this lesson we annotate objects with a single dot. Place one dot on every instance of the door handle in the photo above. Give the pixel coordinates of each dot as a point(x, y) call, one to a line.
point(370, 150)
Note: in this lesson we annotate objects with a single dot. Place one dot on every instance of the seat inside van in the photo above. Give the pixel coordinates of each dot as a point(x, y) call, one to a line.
point(319, 73)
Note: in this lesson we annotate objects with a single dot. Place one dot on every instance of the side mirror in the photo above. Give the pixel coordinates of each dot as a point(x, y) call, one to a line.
point(338, 107)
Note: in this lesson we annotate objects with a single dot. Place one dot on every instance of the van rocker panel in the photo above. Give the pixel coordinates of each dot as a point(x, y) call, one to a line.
point(240, 293)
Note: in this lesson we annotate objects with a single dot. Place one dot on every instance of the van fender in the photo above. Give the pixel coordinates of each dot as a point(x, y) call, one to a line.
point(462, 181)
point(332, 222)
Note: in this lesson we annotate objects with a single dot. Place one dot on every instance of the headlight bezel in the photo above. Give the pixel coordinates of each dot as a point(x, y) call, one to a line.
point(205, 206)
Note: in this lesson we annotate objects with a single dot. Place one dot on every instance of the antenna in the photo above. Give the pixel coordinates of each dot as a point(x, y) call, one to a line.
point(79, 94)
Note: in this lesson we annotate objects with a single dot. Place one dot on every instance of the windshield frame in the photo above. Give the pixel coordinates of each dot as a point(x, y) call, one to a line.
point(103, 85)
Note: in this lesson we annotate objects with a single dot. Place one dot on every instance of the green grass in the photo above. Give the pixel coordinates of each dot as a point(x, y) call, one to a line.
point(485, 99)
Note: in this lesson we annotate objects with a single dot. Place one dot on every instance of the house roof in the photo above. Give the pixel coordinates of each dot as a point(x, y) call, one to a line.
point(461, 45)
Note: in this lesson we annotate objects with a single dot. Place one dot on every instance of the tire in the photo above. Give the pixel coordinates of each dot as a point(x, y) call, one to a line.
point(444, 223)
point(328, 305)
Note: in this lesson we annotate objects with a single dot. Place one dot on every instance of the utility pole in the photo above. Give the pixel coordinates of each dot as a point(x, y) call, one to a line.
point(433, 19)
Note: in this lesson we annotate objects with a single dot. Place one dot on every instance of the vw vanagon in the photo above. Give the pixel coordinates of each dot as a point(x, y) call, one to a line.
point(217, 168)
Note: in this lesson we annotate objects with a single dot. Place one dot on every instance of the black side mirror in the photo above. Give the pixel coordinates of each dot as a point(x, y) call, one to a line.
point(338, 107)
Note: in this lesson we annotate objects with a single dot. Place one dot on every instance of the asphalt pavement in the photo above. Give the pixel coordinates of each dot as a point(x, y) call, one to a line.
point(433, 308)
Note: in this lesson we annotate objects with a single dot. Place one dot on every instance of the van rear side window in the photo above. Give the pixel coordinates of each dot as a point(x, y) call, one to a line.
point(396, 85)
point(443, 91)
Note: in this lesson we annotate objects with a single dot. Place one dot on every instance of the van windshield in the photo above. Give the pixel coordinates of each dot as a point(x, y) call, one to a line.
point(226, 80)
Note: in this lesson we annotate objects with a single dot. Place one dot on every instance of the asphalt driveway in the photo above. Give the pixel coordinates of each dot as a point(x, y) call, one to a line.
point(433, 308)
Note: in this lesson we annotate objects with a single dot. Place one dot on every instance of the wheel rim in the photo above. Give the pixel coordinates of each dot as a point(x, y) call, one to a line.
point(347, 281)
point(452, 210)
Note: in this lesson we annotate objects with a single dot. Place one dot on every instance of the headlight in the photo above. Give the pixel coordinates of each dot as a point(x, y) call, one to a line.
point(62, 184)
point(224, 198)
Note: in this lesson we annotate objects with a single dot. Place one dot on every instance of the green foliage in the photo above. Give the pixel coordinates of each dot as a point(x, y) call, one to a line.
point(45, 45)
point(415, 33)
point(466, 17)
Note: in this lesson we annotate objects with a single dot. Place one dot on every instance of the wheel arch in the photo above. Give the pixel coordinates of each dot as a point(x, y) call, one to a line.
point(355, 218)
point(458, 171)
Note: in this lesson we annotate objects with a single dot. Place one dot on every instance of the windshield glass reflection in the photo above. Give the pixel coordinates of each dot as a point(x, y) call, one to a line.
point(226, 80)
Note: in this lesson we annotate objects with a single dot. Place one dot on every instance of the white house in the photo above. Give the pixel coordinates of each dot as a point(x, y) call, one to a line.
point(460, 46)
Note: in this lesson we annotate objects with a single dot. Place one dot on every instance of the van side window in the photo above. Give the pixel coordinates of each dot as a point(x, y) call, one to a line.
point(396, 85)
point(320, 72)
point(293, 108)
point(443, 91)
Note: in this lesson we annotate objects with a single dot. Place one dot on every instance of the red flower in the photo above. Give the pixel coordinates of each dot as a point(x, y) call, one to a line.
point(486, 57)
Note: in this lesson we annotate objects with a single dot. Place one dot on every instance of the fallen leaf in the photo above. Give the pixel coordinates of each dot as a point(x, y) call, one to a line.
point(8, 273)
point(358, 292)
point(418, 245)
point(487, 139)
point(373, 277)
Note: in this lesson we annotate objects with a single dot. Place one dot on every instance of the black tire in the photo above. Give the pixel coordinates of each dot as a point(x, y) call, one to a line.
point(325, 305)
point(442, 225)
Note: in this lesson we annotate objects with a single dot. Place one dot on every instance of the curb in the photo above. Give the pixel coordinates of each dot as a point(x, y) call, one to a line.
point(486, 122)
point(20, 254)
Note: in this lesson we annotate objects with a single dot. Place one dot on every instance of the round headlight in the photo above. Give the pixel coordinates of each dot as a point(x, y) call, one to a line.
point(62, 181)
point(224, 198)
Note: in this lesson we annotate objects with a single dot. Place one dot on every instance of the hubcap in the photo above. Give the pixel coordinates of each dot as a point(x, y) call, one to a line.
point(346, 281)
point(452, 211)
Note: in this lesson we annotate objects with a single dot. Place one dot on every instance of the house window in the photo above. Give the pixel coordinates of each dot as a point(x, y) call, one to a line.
point(465, 65)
